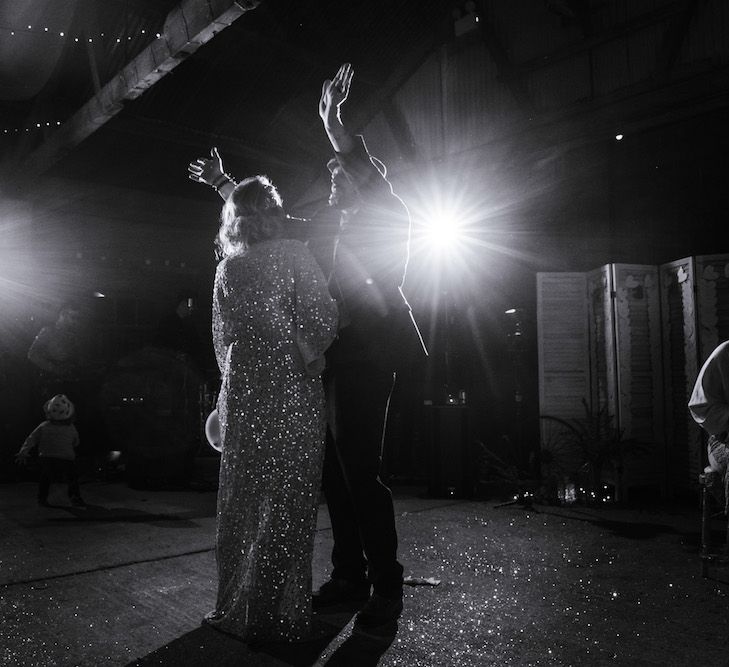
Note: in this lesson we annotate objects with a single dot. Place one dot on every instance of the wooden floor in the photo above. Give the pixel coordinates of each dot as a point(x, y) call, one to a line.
point(128, 580)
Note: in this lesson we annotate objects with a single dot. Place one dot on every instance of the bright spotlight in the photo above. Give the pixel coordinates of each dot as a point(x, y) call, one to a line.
point(444, 229)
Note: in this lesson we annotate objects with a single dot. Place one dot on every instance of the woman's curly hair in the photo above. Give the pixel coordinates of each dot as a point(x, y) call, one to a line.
point(252, 213)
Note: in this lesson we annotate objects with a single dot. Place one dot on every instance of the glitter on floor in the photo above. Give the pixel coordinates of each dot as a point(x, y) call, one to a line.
point(127, 581)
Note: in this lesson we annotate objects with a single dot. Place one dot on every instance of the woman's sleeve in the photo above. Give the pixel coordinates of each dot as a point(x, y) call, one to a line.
point(219, 305)
point(315, 311)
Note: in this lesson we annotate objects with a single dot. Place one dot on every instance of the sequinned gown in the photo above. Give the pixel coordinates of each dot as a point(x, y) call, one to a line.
point(273, 319)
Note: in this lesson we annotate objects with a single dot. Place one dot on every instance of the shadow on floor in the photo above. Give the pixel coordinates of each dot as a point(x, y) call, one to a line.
point(97, 513)
point(205, 645)
point(629, 529)
point(362, 649)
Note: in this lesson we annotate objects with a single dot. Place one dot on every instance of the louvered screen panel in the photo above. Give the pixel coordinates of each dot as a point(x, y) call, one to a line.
point(562, 343)
point(601, 324)
point(680, 367)
point(639, 371)
point(712, 301)
point(712, 315)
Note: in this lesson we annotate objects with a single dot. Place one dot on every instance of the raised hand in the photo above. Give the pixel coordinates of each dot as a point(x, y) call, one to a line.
point(207, 170)
point(333, 95)
point(334, 92)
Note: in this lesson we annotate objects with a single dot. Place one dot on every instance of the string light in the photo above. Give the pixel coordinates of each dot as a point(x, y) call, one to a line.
point(155, 264)
point(29, 128)
point(45, 30)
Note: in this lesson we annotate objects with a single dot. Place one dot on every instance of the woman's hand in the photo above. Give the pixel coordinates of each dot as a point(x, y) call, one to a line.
point(207, 170)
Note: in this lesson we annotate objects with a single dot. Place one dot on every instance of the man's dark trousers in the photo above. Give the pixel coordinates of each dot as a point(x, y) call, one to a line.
point(360, 505)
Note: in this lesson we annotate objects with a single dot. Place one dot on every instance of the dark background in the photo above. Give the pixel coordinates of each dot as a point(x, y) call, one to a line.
point(509, 120)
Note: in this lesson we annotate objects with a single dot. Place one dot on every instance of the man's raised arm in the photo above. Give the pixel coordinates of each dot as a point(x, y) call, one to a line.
point(333, 94)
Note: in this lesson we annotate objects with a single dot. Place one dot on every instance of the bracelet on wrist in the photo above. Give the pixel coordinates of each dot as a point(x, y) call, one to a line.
point(222, 180)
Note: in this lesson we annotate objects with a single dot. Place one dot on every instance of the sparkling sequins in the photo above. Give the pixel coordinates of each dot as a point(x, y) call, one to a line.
point(273, 319)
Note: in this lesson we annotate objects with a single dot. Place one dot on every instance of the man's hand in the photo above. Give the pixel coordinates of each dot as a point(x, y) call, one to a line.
point(207, 170)
point(21, 459)
point(333, 94)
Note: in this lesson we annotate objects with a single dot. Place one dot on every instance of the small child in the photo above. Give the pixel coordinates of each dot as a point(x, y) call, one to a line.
point(56, 440)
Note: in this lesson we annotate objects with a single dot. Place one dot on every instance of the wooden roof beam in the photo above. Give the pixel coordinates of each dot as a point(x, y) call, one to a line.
point(505, 68)
point(674, 38)
point(187, 27)
point(619, 31)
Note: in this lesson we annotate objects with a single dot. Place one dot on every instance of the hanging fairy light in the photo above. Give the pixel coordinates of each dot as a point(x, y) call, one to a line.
point(45, 30)
point(29, 128)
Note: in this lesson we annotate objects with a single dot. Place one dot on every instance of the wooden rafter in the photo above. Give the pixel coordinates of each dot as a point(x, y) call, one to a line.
point(674, 37)
point(621, 30)
point(187, 27)
point(506, 70)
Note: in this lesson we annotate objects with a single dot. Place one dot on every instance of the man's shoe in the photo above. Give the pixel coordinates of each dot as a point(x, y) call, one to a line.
point(77, 502)
point(379, 610)
point(43, 503)
point(339, 592)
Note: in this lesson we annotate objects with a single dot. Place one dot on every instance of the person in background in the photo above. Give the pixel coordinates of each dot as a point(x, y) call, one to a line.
point(365, 260)
point(60, 355)
point(56, 351)
point(709, 407)
point(56, 440)
point(273, 319)
point(176, 331)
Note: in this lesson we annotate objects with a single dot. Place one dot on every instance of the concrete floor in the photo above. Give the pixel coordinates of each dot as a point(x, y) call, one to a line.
point(127, 581)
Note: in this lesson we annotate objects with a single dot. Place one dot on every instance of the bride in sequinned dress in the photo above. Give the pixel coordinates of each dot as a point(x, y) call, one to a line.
point(273, 318)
